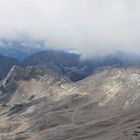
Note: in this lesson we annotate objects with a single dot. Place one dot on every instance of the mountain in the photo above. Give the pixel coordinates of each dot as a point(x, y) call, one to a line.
point(71, 65)
point(6, 64)
point(58, 61)
point(20, 49)
point(68, 64)
point(17, 74)
point(65, 63)
point(46, 106)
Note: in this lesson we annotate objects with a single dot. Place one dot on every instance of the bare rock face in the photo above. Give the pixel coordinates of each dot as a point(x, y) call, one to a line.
point(45, 106)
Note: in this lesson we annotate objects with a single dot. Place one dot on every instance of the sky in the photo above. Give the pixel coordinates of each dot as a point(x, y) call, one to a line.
point(92, 27)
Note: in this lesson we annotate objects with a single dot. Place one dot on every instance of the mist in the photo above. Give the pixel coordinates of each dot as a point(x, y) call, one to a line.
point(91, 27)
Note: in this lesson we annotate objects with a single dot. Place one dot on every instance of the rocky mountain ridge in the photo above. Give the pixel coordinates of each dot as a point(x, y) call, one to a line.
point(70, 64)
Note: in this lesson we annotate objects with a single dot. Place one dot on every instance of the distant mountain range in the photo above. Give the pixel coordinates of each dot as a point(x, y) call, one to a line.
point(20, 49)
point(32, 53)
point(71, 65)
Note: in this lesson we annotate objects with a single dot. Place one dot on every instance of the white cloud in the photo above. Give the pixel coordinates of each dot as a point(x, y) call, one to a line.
point(94, 27)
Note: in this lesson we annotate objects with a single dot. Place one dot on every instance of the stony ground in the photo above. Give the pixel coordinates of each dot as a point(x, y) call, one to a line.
point(45, 106)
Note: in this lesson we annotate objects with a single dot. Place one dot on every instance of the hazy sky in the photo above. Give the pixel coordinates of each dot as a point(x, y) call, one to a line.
point(94, 27)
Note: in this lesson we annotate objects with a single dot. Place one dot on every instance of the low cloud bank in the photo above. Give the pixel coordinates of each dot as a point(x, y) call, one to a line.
point(92, 27)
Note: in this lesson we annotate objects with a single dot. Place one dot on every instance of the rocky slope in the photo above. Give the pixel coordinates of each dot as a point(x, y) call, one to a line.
point(45, 106)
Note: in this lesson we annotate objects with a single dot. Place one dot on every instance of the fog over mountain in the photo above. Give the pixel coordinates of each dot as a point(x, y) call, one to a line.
point(69, 69)
point(93, 27)
point(20, 49)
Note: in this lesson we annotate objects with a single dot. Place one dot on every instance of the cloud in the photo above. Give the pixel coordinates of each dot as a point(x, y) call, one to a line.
point(93, 27)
